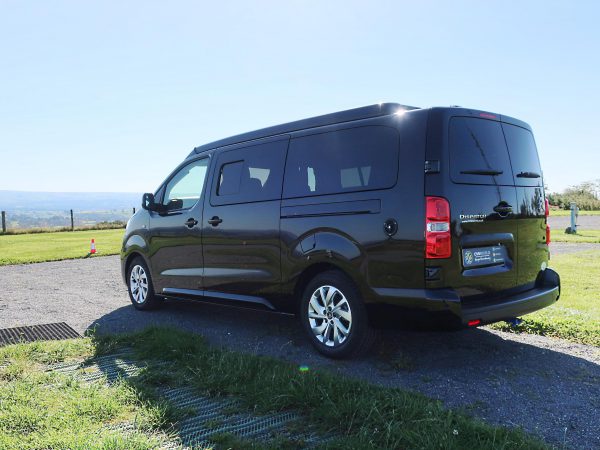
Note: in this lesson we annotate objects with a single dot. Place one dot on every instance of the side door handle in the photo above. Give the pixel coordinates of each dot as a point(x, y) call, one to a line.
point(191, 222)
point(216, 220)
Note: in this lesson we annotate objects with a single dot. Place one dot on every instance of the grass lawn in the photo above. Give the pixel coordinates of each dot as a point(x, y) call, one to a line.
point(566, 212)
point(49, 410)
point(576, 315)
point(42, 409)
point(29, 248)
point(592, 236)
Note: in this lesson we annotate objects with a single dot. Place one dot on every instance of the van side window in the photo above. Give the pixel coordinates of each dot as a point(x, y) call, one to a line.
point(250, 174)
point(355, 159)
point(185, 188)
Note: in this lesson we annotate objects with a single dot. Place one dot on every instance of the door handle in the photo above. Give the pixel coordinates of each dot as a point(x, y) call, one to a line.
point(191, 222)
point(216, 220)
point(503, 209)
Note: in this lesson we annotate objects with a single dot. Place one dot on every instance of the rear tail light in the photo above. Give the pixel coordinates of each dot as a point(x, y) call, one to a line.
point(547, 213)
point(438, 243)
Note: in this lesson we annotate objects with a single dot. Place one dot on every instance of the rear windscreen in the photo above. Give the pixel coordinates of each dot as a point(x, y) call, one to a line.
point(478, 152)
point(523, 156)
point(488, 152)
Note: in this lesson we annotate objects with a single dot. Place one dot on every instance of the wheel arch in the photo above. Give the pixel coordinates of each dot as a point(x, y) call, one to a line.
point(312, 271)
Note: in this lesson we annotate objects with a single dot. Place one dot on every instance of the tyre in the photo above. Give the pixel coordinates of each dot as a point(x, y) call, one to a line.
point(139, 285)
point(334, 316)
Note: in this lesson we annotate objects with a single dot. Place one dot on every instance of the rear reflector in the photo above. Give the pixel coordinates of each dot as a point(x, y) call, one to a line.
point(547, 213)
point(474, 323)
point(438, 243)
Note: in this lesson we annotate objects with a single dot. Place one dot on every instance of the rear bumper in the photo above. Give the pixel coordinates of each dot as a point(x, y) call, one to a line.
point(446, 301)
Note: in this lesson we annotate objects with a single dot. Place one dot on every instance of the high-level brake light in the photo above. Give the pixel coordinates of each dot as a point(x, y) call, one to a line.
point(438, 243)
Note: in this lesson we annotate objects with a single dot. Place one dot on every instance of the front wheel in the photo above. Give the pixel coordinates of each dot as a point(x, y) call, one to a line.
point(139, 285)
point(334, 316)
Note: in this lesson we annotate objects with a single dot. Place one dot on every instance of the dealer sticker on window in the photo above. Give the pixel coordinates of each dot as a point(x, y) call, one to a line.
point(483, 256)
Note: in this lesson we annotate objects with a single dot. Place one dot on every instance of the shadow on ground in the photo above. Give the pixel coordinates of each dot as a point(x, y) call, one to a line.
point(492, 375)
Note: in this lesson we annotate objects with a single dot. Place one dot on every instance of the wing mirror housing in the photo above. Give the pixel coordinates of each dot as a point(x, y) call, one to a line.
point(148, 202)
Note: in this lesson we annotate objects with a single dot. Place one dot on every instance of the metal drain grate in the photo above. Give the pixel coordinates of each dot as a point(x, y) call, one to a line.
point(210, 416)
point(46, 332)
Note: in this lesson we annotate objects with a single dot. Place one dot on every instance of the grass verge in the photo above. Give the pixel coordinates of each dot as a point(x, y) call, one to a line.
point(576, 315)
point(42, 409)
point(567, 212)
point(360, 414)
point(590, 236)
point(99, 226)
point(30, 248)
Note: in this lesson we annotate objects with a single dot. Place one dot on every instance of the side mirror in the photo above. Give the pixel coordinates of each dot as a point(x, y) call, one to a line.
point(148, 202)
point(174, 204)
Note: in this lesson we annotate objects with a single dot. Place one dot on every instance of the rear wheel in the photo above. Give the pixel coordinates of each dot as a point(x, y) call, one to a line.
point(334, 316)
point(139, 285)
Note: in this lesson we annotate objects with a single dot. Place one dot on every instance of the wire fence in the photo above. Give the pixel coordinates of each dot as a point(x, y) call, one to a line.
point(22, 221)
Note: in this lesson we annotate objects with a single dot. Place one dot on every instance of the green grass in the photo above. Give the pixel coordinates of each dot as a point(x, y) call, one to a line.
point(590, 236)
point(566, 212)
point(98, 226)
point(29, 248)
point(49, 411)
point(576, 315)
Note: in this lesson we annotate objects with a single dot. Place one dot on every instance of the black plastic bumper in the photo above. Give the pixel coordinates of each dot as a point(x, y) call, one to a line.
point(434, 301)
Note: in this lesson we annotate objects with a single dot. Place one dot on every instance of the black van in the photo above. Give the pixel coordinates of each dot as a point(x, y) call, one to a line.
point(382, 210)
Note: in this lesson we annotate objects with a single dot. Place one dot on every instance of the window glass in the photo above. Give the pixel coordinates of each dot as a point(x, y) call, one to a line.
point(251, 173)
point(523, 156)
point(185, 188)
point(230, 178)
point(355, 159)
point(477, 151)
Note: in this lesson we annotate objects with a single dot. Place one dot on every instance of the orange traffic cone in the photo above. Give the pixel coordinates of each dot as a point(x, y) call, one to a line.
point(93, 247)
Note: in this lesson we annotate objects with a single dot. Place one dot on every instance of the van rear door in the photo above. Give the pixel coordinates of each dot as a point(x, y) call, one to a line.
point(489, 172)
point(527, 177)
point(483, 206)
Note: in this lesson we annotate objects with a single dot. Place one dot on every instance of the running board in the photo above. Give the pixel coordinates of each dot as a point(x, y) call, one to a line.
point(197, 293)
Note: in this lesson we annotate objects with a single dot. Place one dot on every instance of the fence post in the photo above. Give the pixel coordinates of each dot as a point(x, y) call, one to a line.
point(4, 221)
point(72, 222)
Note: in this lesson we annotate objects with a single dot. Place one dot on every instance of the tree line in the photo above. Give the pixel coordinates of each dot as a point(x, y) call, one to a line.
point(586, 195)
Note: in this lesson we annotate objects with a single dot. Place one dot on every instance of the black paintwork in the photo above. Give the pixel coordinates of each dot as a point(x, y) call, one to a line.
point(264, 252)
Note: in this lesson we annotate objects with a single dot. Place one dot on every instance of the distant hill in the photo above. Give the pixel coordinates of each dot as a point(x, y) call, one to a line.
point(56, 201)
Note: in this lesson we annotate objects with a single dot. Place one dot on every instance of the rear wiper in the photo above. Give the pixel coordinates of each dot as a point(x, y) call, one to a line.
point(528, 175)
point(482, 172)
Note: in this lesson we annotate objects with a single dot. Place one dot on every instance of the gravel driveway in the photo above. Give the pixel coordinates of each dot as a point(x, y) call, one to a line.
point(547, 386)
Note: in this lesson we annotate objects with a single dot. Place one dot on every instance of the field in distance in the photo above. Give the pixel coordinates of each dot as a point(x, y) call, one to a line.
point(30, 248)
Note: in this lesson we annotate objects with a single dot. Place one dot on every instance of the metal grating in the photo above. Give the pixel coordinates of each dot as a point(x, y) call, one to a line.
point(210, 416)
point(46, 332)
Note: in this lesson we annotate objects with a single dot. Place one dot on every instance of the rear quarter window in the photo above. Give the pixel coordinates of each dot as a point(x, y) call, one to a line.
point(477, 147)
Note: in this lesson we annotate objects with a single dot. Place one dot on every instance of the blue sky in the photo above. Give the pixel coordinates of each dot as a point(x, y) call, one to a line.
point(111, 96)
